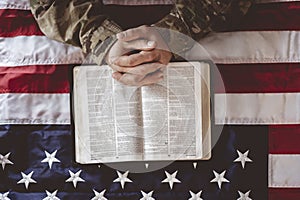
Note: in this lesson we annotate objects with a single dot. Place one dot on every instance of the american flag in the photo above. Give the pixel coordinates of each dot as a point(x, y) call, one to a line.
point(257, 156)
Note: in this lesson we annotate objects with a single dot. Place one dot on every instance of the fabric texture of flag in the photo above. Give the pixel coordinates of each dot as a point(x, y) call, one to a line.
point(256, 157)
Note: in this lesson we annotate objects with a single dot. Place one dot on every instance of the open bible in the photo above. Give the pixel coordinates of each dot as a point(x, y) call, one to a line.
point(169, 120)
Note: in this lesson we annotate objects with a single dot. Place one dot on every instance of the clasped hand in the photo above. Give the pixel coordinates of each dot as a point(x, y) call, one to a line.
point(139, 56)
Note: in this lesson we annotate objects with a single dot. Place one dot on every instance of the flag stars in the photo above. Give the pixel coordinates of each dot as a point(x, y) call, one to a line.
point(4, 196)
point(243, 158)
point(195, 165)
point(219, 178)
point(244, 196)
point(122, 179)
point(75, 178)
point(50, 158)
point(26, 179)
point(171, 179)
point(51, 196)
point(147, 196)
point(195, 196)
point(99, 195)
point(4, 160)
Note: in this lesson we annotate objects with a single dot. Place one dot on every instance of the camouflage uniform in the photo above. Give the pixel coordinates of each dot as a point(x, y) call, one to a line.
point(83, 22)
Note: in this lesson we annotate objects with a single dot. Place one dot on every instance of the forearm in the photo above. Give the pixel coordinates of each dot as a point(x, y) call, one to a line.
point(76, 22)
point(197, 18)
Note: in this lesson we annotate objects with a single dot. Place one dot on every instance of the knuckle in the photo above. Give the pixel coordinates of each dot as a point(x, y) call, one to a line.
point(151, 56)
point(144, 29)
point(114, 67)
point(131, 31)
point(137, 78)
point(119, 69)
point(130, 62)
point(127, 32)
point(142, 71)
point(123, 69)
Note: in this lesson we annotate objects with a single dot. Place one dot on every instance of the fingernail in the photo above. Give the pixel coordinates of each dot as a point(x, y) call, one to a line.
point(151, 43)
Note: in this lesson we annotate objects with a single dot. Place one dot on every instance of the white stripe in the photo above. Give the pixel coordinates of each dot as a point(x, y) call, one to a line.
point(250, 47)
point(34, 108)
point(15, 4)
point(284, 171)
point(25, 5)
point(34, 50)
point(257, 108)
point(229, 48)
point(269, 108)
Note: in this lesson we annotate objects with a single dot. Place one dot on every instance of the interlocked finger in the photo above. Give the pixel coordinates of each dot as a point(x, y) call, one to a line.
point(137, 80)
point(138, 58)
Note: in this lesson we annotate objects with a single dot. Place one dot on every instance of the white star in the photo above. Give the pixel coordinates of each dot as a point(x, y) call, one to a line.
point(4, 196)
point(50, 158)
point(75, 178)
point(243, 158)
point(244, 196)
point(147, 196)
point(195, 196)
point(171, 179)
point(4, 160)
point(122, 179)
point(51, 196)
point(219, 178)
point(195, 165)
point(26, 179)
point(99, 196)
point(147, 165)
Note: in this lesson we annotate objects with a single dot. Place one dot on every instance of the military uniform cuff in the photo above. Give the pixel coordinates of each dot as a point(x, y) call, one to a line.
point(103, 39)
point(100, 51)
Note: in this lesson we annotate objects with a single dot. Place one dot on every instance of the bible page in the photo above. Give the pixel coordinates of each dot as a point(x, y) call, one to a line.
point(105, 118)
point(172, 114)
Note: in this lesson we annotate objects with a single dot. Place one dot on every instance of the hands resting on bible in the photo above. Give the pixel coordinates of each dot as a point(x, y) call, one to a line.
point(139, 56)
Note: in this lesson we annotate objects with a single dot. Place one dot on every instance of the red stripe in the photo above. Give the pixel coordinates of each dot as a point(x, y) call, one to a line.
point(259, 78)
point(35, 79)
point(30, 69)
point(271, 16)
point(17, 22)
point(284, 194)
point(284, 139)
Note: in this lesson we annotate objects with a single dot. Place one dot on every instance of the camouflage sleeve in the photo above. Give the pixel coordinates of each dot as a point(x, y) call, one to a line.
point(76, 22)
point(197, 18)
